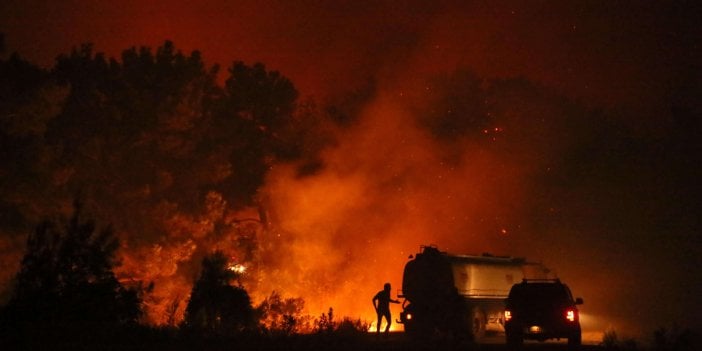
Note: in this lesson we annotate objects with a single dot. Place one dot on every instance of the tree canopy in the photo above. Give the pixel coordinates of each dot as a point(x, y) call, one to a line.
point(216, 306)
point(66, 277)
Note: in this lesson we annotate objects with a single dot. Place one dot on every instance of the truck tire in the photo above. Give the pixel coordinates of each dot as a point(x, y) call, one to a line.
point(514, 340)
point(574, 341)
point(478, 324)
point(419, 330)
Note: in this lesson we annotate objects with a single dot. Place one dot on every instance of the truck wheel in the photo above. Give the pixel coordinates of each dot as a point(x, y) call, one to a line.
point(478, 324)
point(574, 341)
point(514, 341)
point(418, 330)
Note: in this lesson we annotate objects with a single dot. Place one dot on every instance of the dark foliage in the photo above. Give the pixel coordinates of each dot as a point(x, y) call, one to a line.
point(66, 279)
point(255, 115)
point(346, 328)
point(216, 307)
point(163, 111)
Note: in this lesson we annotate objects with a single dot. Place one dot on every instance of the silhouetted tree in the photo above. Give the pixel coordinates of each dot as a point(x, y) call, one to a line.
point(255, 116)
point(26, 102)
point(66, 278)
point(127, 123)
point(216, 307)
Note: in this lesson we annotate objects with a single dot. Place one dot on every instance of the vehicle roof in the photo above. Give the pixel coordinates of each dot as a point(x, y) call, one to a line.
point(540, 289)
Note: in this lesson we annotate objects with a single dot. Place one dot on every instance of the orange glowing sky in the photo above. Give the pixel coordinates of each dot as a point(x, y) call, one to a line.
point(611, 52)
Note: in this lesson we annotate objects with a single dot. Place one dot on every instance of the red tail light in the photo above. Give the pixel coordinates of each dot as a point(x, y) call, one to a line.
point(508, 315)
point(571, 315)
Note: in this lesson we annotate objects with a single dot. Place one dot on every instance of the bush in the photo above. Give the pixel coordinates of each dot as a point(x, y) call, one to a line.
point(325, 323)
point(611, 341)
point(351, 327)
point(279, 316)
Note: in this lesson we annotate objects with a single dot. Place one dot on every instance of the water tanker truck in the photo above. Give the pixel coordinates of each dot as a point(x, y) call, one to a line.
point(461, 295)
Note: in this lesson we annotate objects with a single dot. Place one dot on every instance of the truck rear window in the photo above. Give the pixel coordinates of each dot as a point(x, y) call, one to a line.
point(539, 292)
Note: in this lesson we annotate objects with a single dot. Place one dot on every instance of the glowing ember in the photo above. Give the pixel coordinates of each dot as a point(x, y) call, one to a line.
point(237, 268)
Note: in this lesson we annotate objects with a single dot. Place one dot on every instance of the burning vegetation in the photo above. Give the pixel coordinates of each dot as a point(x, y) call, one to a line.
point(306, 207)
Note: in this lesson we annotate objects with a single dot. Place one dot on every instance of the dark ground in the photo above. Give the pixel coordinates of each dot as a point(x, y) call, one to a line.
point(399, 341)
point(160, 340)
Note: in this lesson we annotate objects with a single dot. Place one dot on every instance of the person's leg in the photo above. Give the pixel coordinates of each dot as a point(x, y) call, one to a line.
point(380, 320)
point(387, 326)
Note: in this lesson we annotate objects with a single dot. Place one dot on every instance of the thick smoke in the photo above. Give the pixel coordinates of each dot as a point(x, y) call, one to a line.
point(384, 189)
point(503, 166)
point(450, 160)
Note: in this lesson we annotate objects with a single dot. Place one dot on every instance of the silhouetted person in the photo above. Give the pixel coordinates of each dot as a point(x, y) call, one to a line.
point(381, 302)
